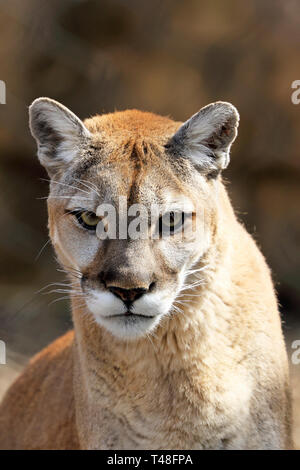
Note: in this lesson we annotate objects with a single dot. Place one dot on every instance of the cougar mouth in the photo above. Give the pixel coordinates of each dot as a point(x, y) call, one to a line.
point(129, 314)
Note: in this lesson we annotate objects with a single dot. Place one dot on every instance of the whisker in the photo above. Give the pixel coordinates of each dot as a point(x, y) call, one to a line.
point(72, 268)
point(79, 198)
point(64, 291)
point(52, 284)
point(177, 309)
point(65, 184)
point(66, 297)
point(190, 295)
point(148, 336)
point(193, 285)
point(41, 250)
point(88, 184)
point(75, 276)
point(76, 273)
point(57, 300)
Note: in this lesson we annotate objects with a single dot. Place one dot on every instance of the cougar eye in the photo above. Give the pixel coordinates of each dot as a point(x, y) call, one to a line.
point(170, 222)
point(87, 219)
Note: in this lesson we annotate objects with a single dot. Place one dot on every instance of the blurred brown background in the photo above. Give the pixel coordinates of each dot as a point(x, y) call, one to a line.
point(170, 57)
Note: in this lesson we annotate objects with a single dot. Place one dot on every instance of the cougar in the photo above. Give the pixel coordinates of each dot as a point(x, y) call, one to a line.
point(177, 340)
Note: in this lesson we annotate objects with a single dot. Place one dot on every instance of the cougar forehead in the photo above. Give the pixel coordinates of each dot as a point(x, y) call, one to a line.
point(133, 123)
point(126, 149)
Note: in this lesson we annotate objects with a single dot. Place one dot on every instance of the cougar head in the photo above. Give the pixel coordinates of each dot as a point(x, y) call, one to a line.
point(132, 204)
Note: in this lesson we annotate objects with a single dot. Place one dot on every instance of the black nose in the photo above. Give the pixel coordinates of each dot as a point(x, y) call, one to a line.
point(127, 295)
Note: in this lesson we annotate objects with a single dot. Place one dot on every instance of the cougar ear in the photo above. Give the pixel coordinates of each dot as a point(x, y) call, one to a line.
point(207, 136)
point(58, 133)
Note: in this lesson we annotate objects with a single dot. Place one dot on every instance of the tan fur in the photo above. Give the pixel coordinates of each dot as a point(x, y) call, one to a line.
point(36, 398)
point(212, 377)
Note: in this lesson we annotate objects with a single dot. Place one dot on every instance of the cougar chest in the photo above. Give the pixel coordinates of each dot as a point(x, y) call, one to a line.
point(185, 410)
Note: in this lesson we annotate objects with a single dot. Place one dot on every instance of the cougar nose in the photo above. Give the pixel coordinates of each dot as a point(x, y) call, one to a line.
point(127, 295)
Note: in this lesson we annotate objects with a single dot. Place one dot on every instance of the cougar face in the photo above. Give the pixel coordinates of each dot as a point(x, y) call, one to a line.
point(132, 205)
